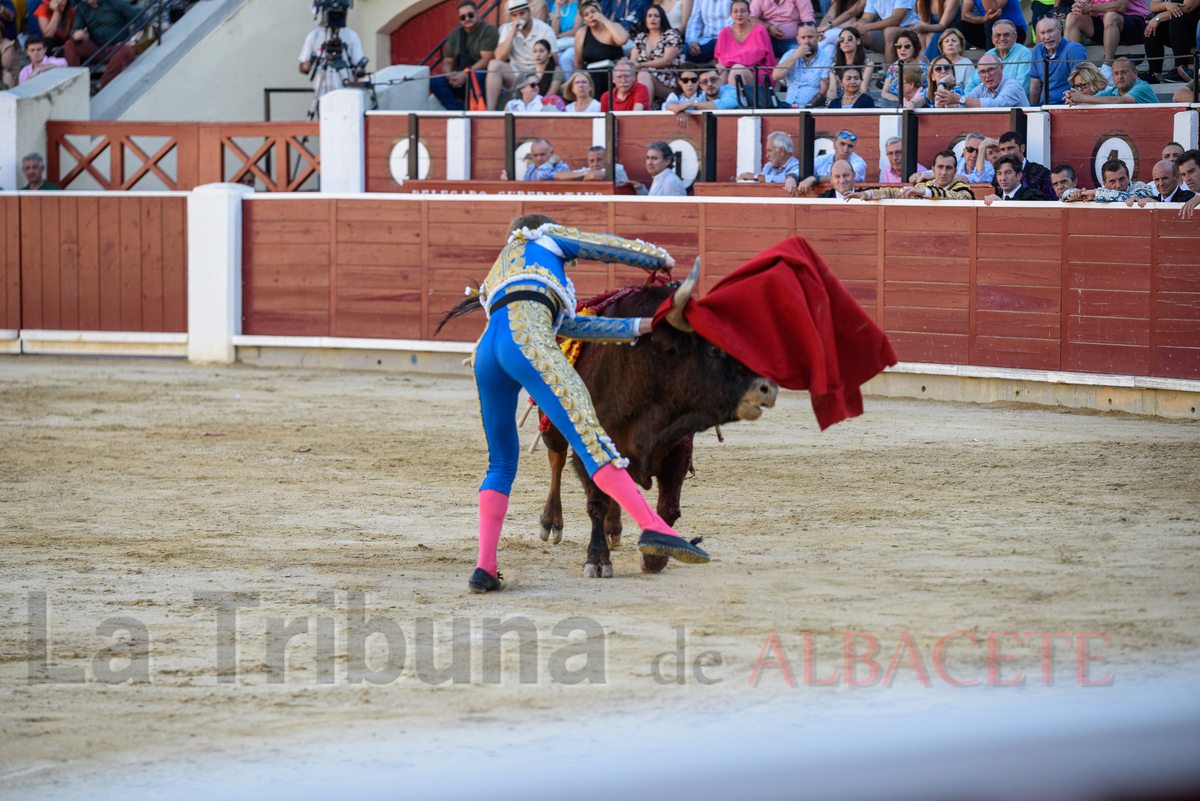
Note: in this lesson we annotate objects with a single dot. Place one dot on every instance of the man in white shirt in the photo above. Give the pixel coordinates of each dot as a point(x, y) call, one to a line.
point(314, 45)
point(997, 90)
point(595, 170)
point(882, 21)
point(660, 163)
point(514, 54)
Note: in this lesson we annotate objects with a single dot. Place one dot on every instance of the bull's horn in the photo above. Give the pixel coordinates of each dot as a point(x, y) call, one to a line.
point(675, 315)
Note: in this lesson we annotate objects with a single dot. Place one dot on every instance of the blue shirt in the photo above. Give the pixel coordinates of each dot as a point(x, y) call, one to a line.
point(1007, 95)
point(1140, 91)
point(1062, 63)
point(629, 13)
point(707, 20)
point(1016, 66)
point(545, 172)
point(778, 176)
point(823, 165)
point(804, 84)
point(726, 98)
point(982, 175)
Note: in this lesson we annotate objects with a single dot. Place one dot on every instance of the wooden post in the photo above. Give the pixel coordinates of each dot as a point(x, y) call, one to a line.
point(708, 167)
point(908, 143)
point(510, 146)
point(414, 147)
point(806, 143)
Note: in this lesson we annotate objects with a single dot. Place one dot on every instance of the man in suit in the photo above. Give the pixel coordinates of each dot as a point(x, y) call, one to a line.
point(1166, 181)
point(841, 175)
point(1008, 177)
point(1036, 176)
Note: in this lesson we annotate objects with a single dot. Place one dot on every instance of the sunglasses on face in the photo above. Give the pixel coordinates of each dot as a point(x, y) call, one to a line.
point(970, 150)
point(847, 40)
point(688, 80)
point(467, 16)
point(942, 68)
point(1078, 85)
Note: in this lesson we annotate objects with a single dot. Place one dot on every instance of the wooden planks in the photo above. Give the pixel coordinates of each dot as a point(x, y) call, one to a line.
point(286, 267)
point(385, 132)
point(10, 263)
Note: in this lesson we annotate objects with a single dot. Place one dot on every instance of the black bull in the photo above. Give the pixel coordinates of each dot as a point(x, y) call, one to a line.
point(651, 398)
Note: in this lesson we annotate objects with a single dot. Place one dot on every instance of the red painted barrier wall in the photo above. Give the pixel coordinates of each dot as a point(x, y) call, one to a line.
point(1114, 291)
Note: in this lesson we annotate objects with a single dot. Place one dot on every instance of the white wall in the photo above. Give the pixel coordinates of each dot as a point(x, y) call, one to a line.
point(60, 94)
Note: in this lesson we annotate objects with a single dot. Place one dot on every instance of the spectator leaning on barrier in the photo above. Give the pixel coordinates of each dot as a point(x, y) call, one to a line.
point(1063, 179)
point(1008, 182)
point(98, 22)
point(974, 163)
point(1127, 88)
point(1063, 55)
point(805, 68)
point(1086, 79)
point(514, 51)
point(1015, 57)
point(660, 163)
point(941, 74)
point(854, 94)
point(893, 170)
point(841, 175)
point(714, 95)
point(1112, 24)
point(595, 171)
point(1166, 181)
point(34, 167)
point(470, 47)
point(1189, 170)
point(779, 163)
point(945, 184)
point(843, 150)
point(1117, 186)
point(543, 164)
point(39, 62)
point(783, 19)
point(997, 90)
point(1035, 175)
point(709, 18)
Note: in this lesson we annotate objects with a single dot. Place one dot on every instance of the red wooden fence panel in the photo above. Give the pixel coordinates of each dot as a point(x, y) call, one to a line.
point(10, 263)
point(114, 263)
point(384, 134)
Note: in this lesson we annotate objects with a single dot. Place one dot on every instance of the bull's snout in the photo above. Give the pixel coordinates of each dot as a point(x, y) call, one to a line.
point(762, 392)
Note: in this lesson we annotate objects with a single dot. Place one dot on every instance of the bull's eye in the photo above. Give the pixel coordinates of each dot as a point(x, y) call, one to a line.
point(714, 351)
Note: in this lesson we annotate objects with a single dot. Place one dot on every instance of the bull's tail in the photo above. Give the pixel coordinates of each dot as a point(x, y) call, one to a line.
point(471, 304)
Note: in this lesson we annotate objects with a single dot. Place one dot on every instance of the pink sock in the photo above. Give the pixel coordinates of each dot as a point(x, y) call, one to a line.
point(492, 507)
point(617, 485)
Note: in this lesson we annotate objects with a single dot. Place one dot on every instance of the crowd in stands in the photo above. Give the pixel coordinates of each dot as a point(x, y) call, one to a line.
point(101, 34)
point(814, 53)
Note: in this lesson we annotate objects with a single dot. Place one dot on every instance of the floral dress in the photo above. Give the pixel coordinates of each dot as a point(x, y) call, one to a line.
point(669, 38)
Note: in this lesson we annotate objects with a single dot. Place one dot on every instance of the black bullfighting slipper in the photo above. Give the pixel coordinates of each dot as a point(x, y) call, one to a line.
point(655, 543)
point(483, 581)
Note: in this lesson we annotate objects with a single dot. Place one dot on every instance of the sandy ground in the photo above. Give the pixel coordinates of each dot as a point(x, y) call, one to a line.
point(126, 487)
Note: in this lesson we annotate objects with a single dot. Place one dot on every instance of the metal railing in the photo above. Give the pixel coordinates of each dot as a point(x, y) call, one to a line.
point(434, 56)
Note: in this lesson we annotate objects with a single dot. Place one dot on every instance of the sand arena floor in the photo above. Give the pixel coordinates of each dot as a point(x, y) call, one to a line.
point(126, 487)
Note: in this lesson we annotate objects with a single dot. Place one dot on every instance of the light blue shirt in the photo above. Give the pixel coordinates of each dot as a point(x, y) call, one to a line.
point(979, 176)
point(726, 98)
point(1019, 72)
point(707, 20)
point(1140, 91)
point(804, 84)
point(823, 165)
point(1007, 95)
point(545, 172)
point(885, 8)
point(778, 176)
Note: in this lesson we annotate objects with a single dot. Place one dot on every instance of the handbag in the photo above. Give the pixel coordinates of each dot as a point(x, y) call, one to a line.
point(476, 98)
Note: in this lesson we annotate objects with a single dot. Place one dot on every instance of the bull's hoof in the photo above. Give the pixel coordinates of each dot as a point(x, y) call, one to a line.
point(545, 533)
point(654, 564)
point(606, 571)
point(614, 541)
point(557, 534)
point(591, 570)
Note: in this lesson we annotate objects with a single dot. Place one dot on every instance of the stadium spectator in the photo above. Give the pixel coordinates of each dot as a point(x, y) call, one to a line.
point(854, 94)
point(914, 82)
point(974, 163)
point(39, 62)
point(1172, 151)
point(893, 171)
point(54, 19)
point(805, 69)
point(743, 46)
point(952, 45)
point(580, 95)
point(514, 50)
point(709, 18)
point(34, 167)
point(979, 28)
point(599, 43)
point(779, 163)
point(908, 52)
point(627, 94)
point(1166, 181)
point(884, 20)
point(783, 19)
point(1117, 186)
point(843, 150)
point(1086, 79)
point(1063, 55)
point(839, 15)
point(944, 186)
point(996, 90)
point(1127, 88)
point(629, 14)
point(1035, 175)
point(99, 27)
point(991, 151)
point(1014, 56)
point(941, 74)
point(1171, 22)
point(660, 163)
point(849, 52)
point(714, 94)
point(1189, 170)
point(565, 21)
point(1008, 182)
point(1115, 23)
point(657, 51)
point(543, 163)
point(314, 47)
point(841, 175)
point(935, 17)
point(528, 97)
point(8, 45)
point(470, 47)
point(679, 12)
point(550, 76)
point(595, 170)
point(1062, 178)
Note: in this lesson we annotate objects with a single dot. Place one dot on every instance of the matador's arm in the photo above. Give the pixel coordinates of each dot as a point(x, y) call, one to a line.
point(600, 329)
point(606, 248)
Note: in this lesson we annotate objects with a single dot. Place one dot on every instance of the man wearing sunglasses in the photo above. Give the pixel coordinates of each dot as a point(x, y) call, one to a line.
point(470, 46)
point(843, 150)
point(997, 90)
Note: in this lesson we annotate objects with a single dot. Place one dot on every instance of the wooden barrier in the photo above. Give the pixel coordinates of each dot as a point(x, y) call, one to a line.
point(200, 153)
point(99, 263)
point(1048, 287)
point(750, 189)
point(10, 263)
point(580, 188)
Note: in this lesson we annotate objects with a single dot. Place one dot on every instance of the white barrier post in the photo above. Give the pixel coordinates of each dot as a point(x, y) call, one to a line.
point(599, 132)
point(458, 149)
point(749, 144)
point(343, 141)
point(1037, 138)
point(214, 220)
point(1187, 128)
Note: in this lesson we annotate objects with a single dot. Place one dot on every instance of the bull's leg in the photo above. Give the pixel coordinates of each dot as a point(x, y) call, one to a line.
point(598, 564)
point(675, 466)
point(552, 519)
point(612, 525)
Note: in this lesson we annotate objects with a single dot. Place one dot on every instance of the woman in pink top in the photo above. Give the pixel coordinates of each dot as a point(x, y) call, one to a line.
point(743, 46)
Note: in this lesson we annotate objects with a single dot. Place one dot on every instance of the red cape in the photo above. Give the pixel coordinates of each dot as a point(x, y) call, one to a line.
point(788, 318)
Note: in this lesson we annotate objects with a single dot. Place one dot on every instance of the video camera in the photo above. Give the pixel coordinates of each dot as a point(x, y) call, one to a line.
point(332, 12)
point(333, 52)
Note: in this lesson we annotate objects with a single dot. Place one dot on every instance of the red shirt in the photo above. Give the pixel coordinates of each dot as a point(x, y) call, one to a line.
point(638, 95)
point(67, 20)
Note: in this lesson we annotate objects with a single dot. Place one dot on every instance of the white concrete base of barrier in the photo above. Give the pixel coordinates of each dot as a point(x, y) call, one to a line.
point(93, 343)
